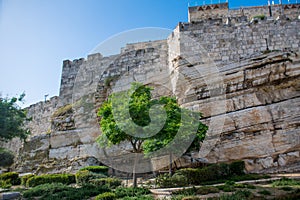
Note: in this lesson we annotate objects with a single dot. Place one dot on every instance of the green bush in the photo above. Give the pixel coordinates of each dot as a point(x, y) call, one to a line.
point(110, 182)
point(106, 196)
point(237, 168)
point(25, 178)
point(96, 169)
point(287, 188)
point(239, 195)
point(286, 182)
point(143, 197)
point(122, 192)
point(264, 192)
point(191, 198)
point(11, 178)
point(85, 176)
point(50, 178)
point(5, 184)
point(59, 191)
point(201, 190)
point(6, 157)
point(214, 172)
point(177, 180)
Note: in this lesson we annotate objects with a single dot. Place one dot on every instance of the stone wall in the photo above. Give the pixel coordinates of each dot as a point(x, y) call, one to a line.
point(221, 11)
point(258, 63)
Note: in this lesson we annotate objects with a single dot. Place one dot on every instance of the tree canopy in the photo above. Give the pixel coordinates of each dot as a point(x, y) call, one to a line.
point(147, 129)
point(12, 119)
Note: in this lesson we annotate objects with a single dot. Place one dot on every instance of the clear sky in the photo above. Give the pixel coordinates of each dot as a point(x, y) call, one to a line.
point(37, 35)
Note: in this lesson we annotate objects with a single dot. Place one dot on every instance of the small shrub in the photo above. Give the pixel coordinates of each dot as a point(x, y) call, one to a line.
point(207, 190)
point(165, 181)
point(264, 192)
point(122, 192)
point(96, 169)
point(143, 197)
point(85, 176)
point(237, 168)
point(110, 182)
point(249, 186)
point(261, 17)
point(191, 198)
point(25, 178)
point(239, 195)
point(11, 178)
point(286, 182)
point(59, 191)
point(106, 196)
point(287, 188)
point(50, 178)
point(6, 157)
point(5, 184)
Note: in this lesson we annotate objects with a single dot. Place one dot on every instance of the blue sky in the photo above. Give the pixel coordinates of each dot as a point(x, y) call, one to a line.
point(37, 35)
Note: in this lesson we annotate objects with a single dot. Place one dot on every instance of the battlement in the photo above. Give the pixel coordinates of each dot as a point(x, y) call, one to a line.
point(222, 11)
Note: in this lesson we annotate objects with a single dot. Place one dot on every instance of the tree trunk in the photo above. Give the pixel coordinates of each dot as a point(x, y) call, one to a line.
point(134, 172)
point(170, 164)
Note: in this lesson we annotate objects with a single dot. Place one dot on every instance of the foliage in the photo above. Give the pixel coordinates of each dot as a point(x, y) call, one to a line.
point(287, 188)
point(122, 192)
point(96, 169)
point(6, 157)
point(142, 197)
point(177, 180)
point(50, 178)
point(261, 17)
point(12, 119)
point(285, 182)
point(85, 176)
point(59, 191)
point(201, 191)
point(237, 167)
point(5, 184)
point(106, 196)
point(110, 182)
point(139, 106)
point(212, 174)
point(264, 192)
point(10, 178)
point(25, 178)
point(239, 195)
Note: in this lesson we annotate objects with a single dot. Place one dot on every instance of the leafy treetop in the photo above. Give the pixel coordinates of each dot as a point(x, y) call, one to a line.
point(12, 119)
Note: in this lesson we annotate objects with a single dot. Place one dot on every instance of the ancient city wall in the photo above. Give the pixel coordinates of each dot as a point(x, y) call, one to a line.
point(258, 62)
point(221, 11)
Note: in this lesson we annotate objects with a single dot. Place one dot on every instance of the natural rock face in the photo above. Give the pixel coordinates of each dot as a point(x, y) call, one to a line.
point(243, 77)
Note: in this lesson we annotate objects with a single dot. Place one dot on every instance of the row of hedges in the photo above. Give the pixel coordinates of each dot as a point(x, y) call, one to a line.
point(96, 169)
point(49, 178)
point(85, 176)
point(10, 178)
point(59, 191)
point(197, 176)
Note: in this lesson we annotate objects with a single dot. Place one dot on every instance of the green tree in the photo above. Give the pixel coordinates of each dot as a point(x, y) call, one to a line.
point(148, 124)
point(12, 119)
point(6, 157)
